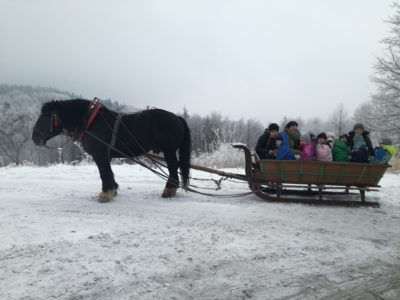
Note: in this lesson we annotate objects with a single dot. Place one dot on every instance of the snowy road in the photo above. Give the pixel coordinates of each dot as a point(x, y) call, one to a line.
point(57, 242)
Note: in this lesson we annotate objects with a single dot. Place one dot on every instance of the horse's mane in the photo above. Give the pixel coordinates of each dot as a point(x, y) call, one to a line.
point(72, 112)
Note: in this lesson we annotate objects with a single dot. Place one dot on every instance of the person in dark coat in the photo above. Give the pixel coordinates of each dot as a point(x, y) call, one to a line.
point(266, 144)
point(359, 153)
point(358, 129)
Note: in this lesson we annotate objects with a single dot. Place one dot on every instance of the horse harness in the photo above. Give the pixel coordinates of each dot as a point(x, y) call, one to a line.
point(94, 108)
point(114, 133)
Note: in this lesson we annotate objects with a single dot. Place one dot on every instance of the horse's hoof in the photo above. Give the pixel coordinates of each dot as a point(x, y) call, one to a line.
point(107, 196)
point(169, 192)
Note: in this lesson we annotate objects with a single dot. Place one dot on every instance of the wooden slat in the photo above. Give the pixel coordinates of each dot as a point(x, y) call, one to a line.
point(361, 174)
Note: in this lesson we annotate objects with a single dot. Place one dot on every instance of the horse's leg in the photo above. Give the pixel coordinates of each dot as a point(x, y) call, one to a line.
point(173, 179)
point(109, 186)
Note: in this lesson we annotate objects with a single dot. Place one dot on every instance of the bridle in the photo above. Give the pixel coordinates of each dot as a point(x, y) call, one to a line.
point(55, 122)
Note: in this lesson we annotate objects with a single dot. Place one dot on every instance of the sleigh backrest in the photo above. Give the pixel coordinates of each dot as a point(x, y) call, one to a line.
point(322, 173)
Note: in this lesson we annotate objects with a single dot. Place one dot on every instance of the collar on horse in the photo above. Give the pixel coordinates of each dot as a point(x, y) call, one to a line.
point(94, 108)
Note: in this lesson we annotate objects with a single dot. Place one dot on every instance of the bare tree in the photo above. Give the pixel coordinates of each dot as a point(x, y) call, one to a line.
point(313, 125)
point(15, 131)
point(386, 101)
point(339, 120)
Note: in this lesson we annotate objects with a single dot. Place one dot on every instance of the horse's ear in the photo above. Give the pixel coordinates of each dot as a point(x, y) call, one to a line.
point(50, 107)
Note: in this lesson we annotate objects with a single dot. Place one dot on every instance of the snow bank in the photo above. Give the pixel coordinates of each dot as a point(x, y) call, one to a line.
point(58, 242)
point(389, 194)
point(225, 157)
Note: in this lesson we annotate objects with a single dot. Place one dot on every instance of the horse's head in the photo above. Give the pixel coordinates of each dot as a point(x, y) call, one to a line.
point(48, 124)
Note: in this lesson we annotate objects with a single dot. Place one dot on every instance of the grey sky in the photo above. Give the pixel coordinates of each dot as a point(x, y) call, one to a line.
point(250, 59)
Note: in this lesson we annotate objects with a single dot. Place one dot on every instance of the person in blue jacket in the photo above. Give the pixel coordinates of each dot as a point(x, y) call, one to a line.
point(283, 149)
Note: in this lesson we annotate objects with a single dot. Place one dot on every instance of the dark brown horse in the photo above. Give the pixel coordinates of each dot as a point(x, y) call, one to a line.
point(137, 133)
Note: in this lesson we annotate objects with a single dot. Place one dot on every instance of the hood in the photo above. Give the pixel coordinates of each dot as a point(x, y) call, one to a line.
point(391, 149)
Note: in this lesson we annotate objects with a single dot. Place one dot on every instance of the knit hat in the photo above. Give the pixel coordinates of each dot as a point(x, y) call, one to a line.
point(291, 123)
point(306, 137)
point(279, 137)
point(273, 126)
point(358, 125)
point(322, 135)
point(329, 140)
point(386, 141)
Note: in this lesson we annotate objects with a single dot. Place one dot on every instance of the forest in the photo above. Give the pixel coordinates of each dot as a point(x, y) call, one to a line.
point(20, 107)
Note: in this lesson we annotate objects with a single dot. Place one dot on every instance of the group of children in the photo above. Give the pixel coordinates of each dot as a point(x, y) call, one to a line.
point(354, 147)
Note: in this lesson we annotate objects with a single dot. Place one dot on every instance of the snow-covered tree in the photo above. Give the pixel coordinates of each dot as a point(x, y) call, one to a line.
point(19, 108)
point(386, 101)
point(339, 121)
point(15, 130)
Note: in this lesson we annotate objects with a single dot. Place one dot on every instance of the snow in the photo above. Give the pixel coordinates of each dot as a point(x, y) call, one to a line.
point(58, 242)
point(223, 157)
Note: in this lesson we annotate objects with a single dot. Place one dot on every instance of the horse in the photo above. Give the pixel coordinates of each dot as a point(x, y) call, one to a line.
point(105, 134)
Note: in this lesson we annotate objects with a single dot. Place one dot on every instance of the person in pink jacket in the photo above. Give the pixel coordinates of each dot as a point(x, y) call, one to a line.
point(322, 151)
point(307, 150)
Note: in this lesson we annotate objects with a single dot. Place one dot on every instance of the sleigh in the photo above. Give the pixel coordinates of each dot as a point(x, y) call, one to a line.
point(307, 182)
point(312, 182)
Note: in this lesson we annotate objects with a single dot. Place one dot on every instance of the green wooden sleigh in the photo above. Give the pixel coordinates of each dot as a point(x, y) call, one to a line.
point(312, 182)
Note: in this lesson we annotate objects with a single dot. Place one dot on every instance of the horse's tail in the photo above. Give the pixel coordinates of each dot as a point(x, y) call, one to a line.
point(185, 150)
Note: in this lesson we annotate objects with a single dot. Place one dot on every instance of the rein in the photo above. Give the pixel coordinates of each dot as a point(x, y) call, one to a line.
point(160, 173)
point(94, 110)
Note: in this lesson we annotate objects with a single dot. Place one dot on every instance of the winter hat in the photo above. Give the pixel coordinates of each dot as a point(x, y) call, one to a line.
point(322, 135)
point(358, 125)
point(306, 137)
point(279, 137)
point(273, 126)
point(291, 123)
point(329, 140)
point(386, 141)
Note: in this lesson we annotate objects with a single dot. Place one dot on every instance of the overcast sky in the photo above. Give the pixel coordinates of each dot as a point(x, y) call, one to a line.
point(252, 59)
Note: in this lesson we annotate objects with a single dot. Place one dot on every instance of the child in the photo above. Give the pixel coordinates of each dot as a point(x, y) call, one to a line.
point(339, 150)
point(283, 149)
point(359, 130)
point(322, 151)
point(307, 149)
point(313, 139)
point(330, 142)
point(360, 152)
point(384, 152)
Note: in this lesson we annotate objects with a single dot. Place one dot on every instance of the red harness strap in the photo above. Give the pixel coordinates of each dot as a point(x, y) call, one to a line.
point(94, 106)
